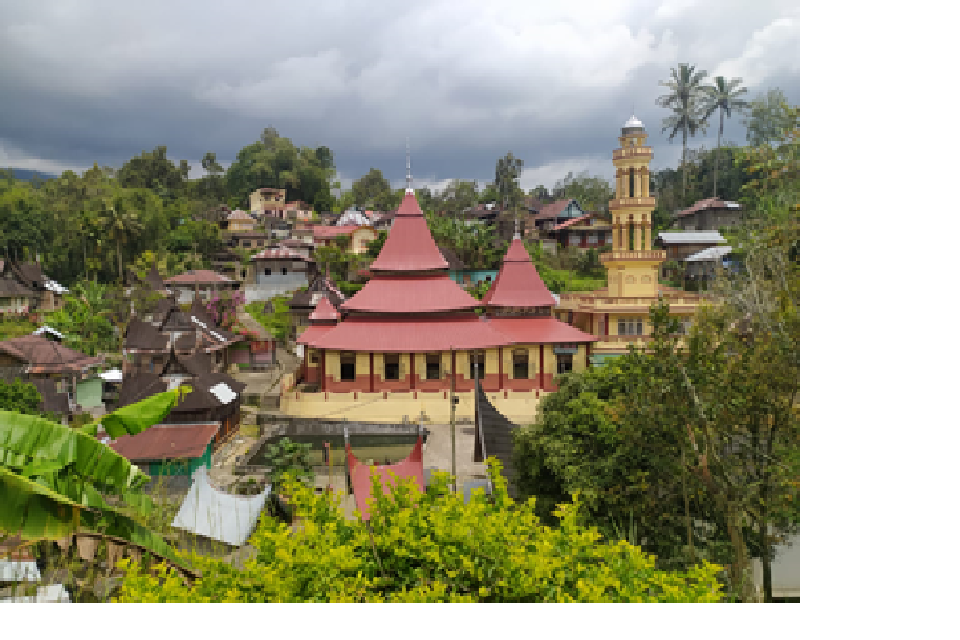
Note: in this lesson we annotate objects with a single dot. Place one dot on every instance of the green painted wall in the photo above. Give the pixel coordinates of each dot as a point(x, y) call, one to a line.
point(90, 392)
point(184, 467)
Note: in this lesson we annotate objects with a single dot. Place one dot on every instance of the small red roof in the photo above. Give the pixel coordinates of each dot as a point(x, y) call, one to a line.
point(411, 294)
point(409, 246)
point(539, 330)
point(280, 254)
point(313, 333)
point(572, 221)
point(324, 311)
point(201, 276)
point(408, 335)
point(166, 442)
point(328, 231)
point(518, 284)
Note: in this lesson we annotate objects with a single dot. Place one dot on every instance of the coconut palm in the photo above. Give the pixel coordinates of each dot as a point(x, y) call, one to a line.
point(723, 96)
point(686, 101)
point(121, 223)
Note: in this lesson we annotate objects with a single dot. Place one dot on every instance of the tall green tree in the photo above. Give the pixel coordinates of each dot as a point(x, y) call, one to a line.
point(769, 118)
point(121, 223)
point(507, 180)
point(685, 100)
point(725, 97)
point(370, 189)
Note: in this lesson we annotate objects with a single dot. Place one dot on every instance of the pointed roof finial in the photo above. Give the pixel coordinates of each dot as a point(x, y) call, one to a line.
point(409, 179)
point(516, 227)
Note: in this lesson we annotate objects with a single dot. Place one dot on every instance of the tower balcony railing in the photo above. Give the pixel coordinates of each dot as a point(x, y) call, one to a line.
point(632, 152)
point(618, 203)
point(645, 254)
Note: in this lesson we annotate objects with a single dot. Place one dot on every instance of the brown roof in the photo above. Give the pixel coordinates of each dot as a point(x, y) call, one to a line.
point(29, 273)
point(10, 288)
point(701, 205)
point(167, 442)
point(155, 280)
point(200, 276)
point(138, 386)
point(47, 356)
point(144, 336)
point(552, 210)
point(308, 299)
point(248, 234)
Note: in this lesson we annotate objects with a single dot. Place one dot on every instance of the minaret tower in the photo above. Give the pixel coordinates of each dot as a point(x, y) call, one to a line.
point(633, 265)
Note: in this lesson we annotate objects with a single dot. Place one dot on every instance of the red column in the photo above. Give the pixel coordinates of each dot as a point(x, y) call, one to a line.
point(541, 366)
point(606, 324)
point(371, 372)
point(413, 374)
point(323, 368)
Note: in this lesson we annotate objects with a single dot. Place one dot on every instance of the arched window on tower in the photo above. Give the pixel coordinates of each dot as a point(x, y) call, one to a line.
point(631, 182)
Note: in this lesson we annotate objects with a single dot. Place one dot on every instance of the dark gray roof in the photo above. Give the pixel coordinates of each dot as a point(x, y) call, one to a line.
point(143, 335)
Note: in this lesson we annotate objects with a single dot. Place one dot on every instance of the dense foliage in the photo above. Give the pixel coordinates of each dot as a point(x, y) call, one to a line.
point(20, 397)
point(430, 547)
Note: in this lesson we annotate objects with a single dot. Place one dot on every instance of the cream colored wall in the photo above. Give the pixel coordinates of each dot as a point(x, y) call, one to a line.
point(361, 235)
point(533, 359)
point(634, 279)
point(258, 200)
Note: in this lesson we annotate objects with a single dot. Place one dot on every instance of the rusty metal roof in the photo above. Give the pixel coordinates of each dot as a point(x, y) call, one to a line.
point(167, 442)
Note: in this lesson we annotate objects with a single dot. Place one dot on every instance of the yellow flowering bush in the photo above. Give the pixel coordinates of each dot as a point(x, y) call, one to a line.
point(429, 547)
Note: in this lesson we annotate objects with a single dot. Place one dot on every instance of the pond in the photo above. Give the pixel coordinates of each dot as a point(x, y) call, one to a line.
point(381, 449)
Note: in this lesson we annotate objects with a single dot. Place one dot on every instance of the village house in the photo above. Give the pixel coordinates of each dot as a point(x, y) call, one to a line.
point(53, 368)
point(41, 292)
point(268, 201)
point(463, 275)
point(247, 239)
point(358, 237)
point(619, 314)
point(680, 245)
point(282, 267)
point(710, 214)
point(556, 213)
point(240, 221)
point(586, 232)
point(203, 281)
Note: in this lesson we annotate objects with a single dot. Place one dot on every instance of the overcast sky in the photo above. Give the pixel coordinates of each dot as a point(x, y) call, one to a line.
point(97, 81)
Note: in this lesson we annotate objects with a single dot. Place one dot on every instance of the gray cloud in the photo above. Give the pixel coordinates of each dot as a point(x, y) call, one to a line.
point(466, 81)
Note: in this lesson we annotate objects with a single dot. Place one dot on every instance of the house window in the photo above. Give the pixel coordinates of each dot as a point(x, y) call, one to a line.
point(284, 271)
point(314, 357)
point(521, 364)
point(433, 366)
point(391, 366)
point(477, 362)
point(630, 327)
point(564, 362)
point(246, 244)
point(348, 366)
point(592, 238)
point(266, 271)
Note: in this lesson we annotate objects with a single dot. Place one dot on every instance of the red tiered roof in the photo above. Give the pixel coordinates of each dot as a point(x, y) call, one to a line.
point(409, 247)
point(518, 284)
point(411, 294)
point(324, 311)
point(539, 330)
point(407, 335)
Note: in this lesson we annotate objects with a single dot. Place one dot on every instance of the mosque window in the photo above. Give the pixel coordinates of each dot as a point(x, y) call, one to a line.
point(630, 327)
point(348, 366)
point(564, 362)
point(391, 366)
point(433, 366)
point(521, 364)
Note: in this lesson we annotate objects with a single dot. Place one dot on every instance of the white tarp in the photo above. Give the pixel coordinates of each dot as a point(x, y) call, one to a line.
point(114, 375)
point(221, 516)
point(50, 330)
point(49, 593)
point(223, 393)
point(19, 571)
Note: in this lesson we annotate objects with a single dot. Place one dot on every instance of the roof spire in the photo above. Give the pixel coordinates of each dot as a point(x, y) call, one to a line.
point(516, 226)
point(409, 179)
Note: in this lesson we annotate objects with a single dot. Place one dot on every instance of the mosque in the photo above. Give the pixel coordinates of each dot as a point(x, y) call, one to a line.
point(412, 336)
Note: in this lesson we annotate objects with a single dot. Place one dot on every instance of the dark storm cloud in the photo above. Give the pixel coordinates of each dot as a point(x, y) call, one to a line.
point(467, 82)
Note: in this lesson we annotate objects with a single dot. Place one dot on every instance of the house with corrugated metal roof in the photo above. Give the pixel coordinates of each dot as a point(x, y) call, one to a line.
point(709, 214)
point(283, 267)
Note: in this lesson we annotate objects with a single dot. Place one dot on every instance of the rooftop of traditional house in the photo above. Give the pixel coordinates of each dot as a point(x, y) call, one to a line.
point(324, 312)
point(518, 284)
point(432, 293)
point(199, 276)
point(320, 286)
point(281, 253)
point(709, 203)
point(409, 247)
point(48, 356)
point(552, 210)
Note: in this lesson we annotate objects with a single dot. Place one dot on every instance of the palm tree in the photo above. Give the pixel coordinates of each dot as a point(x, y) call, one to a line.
point(723, 96)
point(686, 101)
point(120, 223)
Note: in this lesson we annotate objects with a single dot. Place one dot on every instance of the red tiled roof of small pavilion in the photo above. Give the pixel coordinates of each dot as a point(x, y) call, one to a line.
point(518, 285)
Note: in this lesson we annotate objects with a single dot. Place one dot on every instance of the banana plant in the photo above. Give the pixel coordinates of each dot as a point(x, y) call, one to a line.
point(53, 479)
